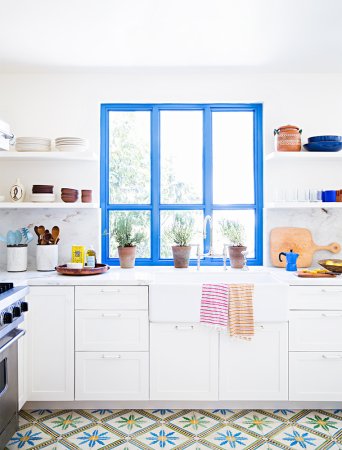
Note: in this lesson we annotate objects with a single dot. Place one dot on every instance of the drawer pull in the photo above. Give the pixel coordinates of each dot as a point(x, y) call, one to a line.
point(112, 291)
point(331, 292)
point(111, 315)
point(331, 315)
point(332, 356)
point(184, 327)
point(111, 356)
point(259, 327)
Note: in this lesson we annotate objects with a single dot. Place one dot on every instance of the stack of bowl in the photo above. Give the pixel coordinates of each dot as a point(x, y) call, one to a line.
point(69, 195)
point(42, 193)
point(87, 195)
point(324, 144)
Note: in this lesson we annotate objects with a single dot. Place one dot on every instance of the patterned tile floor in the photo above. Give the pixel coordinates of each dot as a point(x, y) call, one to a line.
point(178, 429)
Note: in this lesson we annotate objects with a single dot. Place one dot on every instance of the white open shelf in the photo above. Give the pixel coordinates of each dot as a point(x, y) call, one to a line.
point(303, 156)
point(52, 205)
point(298, 205)
point(47, 156)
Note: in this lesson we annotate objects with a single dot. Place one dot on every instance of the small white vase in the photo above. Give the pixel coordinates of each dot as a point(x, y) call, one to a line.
point(17, 259)
point(46, 257)
point(17, 192)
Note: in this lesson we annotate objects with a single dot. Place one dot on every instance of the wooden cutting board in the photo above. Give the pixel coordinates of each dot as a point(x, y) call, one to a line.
point(284, 239)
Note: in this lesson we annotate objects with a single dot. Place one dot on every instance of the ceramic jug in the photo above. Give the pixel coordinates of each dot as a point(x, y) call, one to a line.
point(291, 260)
point(288, 139)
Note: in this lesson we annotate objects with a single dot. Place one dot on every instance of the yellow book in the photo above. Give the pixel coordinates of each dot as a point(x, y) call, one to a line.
point(78, 254)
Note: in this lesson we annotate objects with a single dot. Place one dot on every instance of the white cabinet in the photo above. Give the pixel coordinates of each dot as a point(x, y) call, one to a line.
point(316, 330)
point(112, 376)
point(316, 376)
point(183, 362)
point(256, 369)
point(51, 343)
point(111, 297)
point(109, 330)
point(315, 297)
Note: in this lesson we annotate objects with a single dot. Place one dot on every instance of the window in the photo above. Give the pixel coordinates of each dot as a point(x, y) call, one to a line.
point(163, 160)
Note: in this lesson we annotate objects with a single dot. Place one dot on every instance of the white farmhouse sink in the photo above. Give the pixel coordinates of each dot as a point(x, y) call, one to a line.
point(176, 296)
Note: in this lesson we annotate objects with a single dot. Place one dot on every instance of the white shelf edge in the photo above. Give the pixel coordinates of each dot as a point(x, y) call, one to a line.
point(299, 205)
point(47, 156)
point(302, 155)
point(52, 205)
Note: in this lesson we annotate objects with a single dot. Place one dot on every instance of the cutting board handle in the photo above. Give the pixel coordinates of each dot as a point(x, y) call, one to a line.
point(334, 247)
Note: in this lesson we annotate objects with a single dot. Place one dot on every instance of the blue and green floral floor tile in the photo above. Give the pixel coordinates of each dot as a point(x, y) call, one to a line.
point(284, 414)
point(259, 422)
point(163, 413)
point(222, 414)
point(96, 436)
point(194, 422)
point(299, 438)
point(37, 414)
point(66, 422)
point(24, 421)
point(30, 437)
point(130, 422)
point(99, 414)
point(127, 446)
point(321, 421)
point(162, 437)
point(228, 437)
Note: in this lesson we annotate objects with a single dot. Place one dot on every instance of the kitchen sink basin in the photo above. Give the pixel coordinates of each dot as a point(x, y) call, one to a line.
point(175, 296)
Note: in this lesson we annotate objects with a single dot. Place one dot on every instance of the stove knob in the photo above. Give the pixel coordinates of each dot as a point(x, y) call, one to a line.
point(16, 311)
point(7, 318)
point(24, 306)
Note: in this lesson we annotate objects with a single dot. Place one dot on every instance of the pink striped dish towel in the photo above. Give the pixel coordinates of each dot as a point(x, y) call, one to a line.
point(214, 305)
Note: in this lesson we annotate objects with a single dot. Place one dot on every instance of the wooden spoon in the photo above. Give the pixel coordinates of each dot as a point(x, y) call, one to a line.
point(41, 231)
point(37, 233)
point(55, 234)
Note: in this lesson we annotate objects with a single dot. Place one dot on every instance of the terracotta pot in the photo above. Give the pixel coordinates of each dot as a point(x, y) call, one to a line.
point(181, 256)
point(235, 256)
point(288, 139)
point(127, 257)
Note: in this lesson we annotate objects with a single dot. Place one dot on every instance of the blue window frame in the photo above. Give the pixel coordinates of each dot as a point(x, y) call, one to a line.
point(207, 206)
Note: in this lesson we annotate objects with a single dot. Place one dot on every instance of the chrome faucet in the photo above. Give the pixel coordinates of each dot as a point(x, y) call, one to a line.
point(211, 253)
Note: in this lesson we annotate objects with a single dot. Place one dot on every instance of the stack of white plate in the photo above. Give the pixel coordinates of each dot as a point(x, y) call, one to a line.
point(43, 198)
point(71, 144)
point(33, 144)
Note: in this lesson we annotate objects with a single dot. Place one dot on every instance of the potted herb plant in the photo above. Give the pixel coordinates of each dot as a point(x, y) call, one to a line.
point(181, 234)
point(127, 240)
point(235, 232)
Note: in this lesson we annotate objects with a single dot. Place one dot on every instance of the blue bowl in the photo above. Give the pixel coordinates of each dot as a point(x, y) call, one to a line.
point(324, 146)
point(324, 138)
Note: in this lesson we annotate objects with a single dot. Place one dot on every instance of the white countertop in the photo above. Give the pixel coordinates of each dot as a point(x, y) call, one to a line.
point(146, 276)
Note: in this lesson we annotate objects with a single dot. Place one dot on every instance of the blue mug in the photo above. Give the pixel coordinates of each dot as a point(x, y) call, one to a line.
point(329, 196)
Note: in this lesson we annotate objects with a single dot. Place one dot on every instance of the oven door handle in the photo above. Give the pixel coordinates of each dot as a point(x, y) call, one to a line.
point(18, 335)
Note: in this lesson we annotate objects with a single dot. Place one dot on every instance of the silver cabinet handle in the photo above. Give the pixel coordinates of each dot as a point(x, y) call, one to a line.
point(332, 356)
point(330, 292)
point(111, 315)
point(112, 291)
point(18, 334)
point(184, 327)
point(111, 356)
point(331, 315)
point(260, 327)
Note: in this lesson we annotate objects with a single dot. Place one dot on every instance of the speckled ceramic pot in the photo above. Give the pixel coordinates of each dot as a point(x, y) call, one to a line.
point(288, 139)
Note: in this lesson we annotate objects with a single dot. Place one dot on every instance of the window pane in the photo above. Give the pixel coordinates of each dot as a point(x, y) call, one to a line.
point(181, 148)
point(233, 157)
point(129, 157)
point(246, 217)
point(166, 221)
point(141, 223)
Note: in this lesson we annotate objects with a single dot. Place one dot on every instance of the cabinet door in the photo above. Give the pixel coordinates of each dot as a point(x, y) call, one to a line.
point(316, 376)
point(316, 331)
point(111, 376)
point(51, 343)
point(256, 369)
point(183, 362)
point(111, 330)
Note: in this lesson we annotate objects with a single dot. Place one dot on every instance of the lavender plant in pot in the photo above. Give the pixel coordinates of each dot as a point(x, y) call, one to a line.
point(234, 231)
point(127, 240)
point(181, 234)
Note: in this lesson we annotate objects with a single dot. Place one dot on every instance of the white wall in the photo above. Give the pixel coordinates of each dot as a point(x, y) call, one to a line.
point(63, 104)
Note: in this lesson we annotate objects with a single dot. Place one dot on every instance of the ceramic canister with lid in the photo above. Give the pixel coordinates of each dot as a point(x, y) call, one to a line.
point(288, 139)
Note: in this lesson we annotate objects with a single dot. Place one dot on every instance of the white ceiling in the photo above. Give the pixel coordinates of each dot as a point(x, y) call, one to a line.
point(254, 35)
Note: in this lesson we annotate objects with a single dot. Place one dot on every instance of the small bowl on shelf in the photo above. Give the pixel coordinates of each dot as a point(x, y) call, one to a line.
point(331, 138)
point(323, 146)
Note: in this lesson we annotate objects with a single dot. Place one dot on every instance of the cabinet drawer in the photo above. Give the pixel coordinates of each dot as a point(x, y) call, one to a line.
point(111, 297)
point(316, 330)
point(112, 376)
point(111, 330)
point(316, 297)
point(316, 376)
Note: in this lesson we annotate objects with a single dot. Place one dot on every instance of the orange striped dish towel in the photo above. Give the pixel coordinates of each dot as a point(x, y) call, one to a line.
point(241, 311)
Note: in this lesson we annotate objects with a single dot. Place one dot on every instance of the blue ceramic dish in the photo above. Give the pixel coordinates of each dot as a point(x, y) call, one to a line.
point(324, 146)
point(324, 138)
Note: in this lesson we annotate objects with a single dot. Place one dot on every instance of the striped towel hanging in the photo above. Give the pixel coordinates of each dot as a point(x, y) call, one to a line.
point(214, 305)
point(241, 311)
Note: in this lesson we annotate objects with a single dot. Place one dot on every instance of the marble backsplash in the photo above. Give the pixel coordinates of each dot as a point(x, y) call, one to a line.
point(325, 226)
point(77, 227)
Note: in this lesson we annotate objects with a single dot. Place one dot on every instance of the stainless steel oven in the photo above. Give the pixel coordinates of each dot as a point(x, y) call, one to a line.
point(12, 307)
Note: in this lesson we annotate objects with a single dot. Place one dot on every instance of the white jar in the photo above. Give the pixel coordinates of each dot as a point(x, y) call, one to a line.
point(17, 258)
point(46, 257)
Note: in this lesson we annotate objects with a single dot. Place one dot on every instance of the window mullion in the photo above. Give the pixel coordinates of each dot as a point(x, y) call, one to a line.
point(207, 168)
point(155, 184)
